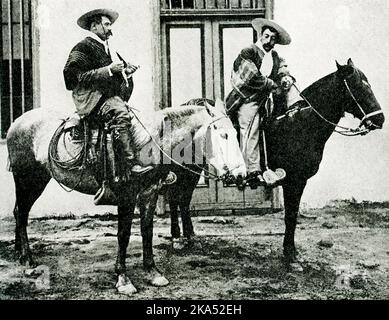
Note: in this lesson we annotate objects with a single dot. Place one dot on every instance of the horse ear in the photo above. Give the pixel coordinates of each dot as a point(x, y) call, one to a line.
point(220, 105)
point(338, 65)
point(350, 63)
point(208, 107)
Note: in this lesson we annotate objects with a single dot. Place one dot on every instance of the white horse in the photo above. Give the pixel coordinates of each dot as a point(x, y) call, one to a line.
point(208, 128)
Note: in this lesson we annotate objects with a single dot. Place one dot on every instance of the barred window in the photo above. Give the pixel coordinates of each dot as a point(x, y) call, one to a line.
point(15, 61)
point(211, 4)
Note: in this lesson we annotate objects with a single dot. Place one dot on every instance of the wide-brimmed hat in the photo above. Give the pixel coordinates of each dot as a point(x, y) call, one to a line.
point(84, 20)
point(283, 36)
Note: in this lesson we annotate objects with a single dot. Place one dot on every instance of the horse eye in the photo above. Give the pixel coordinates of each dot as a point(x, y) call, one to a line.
point(214, 126)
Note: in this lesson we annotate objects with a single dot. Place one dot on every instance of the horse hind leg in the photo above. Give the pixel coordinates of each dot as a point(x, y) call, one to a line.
point(292, 197)
point(28, 188)
point(187, 224)
point(177, 241)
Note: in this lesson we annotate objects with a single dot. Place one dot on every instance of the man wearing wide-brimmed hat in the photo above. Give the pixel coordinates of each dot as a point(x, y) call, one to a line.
point(253, 79)
point(101, 82)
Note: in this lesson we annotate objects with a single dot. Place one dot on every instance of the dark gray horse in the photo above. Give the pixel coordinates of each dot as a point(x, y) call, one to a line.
point(297, 144)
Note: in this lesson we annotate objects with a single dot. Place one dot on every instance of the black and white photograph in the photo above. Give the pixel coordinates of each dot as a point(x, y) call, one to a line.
point(199, 150)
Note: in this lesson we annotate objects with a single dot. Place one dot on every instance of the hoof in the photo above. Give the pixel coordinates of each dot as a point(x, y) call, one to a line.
point(160, 281)
point(292, 262)
point(41, 276)
point(156, 279)
point(296, 267)
point(27, 261)
point(178, 244)
point(125, 286)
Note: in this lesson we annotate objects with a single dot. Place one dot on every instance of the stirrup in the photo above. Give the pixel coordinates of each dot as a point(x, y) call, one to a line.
point(138, 169)
point(170, 179)
point(105, 196)
point(273, 178)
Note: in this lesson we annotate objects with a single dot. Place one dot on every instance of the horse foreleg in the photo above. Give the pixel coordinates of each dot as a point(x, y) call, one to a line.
point(174, 226)
point(125, 216)
point(147, 208)
point(292, 197)
point(28, 188)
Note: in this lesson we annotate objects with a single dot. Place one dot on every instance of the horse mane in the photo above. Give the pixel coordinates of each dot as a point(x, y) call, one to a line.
point(145, 125)
point(318, 85)
point(178, 116)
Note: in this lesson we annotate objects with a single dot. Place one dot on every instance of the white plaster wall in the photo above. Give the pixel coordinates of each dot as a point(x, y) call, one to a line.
point(59, 33)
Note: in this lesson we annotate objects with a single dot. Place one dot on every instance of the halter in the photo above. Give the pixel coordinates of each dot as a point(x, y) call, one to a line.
point(350, 132)
point(211, 175)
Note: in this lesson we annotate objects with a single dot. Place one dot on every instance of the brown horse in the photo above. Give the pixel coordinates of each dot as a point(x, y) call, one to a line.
point(296, 143)
point(210, 132)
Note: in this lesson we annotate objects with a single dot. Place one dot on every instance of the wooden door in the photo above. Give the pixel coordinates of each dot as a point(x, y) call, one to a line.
point(197, 59)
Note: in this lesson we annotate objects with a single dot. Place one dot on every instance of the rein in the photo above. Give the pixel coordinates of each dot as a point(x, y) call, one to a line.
point(212, 175)
point(348, 132)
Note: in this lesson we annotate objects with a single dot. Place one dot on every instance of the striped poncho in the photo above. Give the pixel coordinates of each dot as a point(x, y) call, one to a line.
point(247, 81)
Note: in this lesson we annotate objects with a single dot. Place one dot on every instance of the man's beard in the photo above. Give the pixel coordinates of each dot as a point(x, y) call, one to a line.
point(267, 47)
point(108, 35)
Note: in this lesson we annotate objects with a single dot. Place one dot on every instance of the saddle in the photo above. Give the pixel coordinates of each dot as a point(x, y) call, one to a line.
point(97, 154)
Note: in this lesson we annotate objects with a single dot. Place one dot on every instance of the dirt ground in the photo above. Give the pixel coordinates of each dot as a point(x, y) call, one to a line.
point(343, 247)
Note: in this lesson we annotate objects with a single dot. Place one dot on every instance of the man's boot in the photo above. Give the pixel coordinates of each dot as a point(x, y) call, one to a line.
point(127, 155)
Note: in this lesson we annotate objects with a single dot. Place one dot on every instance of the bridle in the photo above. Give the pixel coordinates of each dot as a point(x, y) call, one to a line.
point(209, 175)
point(365, 116)
point(346, 131)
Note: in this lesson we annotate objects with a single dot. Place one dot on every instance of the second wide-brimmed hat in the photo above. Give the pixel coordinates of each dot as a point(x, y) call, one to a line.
point(84, 20)
point(283, 36)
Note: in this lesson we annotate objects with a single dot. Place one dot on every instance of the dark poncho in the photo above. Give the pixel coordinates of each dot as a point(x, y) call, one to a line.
point(85, 68)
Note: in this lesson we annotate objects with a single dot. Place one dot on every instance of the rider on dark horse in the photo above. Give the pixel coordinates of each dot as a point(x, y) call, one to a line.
point(101, 82)
point(257, 73)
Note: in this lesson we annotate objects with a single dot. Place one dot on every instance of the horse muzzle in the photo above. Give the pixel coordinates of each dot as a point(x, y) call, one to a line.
point(373, 121)
point(234, 175)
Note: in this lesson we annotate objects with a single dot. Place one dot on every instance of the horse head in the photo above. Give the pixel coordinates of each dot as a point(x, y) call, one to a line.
point(364, 104)
point(222, 146)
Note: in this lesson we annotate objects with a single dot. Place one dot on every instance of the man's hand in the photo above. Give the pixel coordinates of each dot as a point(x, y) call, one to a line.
point(287, 82)
point(131, 69)
point(117, 67)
